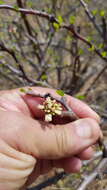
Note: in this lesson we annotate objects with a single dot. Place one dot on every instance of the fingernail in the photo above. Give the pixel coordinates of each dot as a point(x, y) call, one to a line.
point(83, 128)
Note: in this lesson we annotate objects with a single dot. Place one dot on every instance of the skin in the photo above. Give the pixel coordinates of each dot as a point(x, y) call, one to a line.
point(29, 147)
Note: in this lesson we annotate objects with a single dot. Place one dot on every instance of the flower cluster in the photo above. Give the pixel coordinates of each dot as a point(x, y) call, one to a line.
point(51, 108)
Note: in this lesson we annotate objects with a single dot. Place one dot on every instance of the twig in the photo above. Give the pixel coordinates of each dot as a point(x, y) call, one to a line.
point(23, 75)
point(16, 82)
point(96, 78)
point(54, 179)
point(52, 19)
point(76, 34)
point(91, 17)
point(8, 50)
point(43, 14)
point(99, 170)
point(28, 27)
point(50, 181)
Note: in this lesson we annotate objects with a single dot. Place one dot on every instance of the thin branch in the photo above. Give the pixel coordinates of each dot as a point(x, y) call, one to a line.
point(31, 12)
point(96, 78)
point(16, 82)
point(91, 17)
point(21, 73)
point(50, 181)
point(8, 50)
point(28, 27)
point(98, 172)
point(76, 34)
point(52, 19)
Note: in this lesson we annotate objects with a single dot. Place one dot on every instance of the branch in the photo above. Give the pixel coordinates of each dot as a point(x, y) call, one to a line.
point(56, 178)
point(96, 78)
point(76, 34)
point(50, 181)
point(52, 19)
point(43, 14)
point(91, 17)
point(16, 82)
point(8, 50)
point(21, 73)
point(99, 170)
point(28, 27)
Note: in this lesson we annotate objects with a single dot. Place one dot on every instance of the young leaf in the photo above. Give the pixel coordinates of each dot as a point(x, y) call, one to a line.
point(102, 13)
point(2, 2)
point(60, 19)
point(44, 77)
point(104, 53)
point(80, 97)
point(22, 90)
point(94, 12)
point(60, 92)
point(72, 19)
point(56, 26)
point(92, 48)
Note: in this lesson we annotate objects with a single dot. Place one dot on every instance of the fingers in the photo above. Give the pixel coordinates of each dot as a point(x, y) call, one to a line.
point(55, 142)
point(43, 140)
point(13, 100)
point(15, 167)
point(78, 136)
point(80, 108)
point(86, 154)
point(73, 164)
point(67, 140)
point(70, 165)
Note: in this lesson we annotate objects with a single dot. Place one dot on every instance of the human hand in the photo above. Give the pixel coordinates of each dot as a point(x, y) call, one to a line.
point(27, 149)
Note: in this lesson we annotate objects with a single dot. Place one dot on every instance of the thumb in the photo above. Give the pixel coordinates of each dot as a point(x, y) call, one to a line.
point(58, 141)
point(48, 141)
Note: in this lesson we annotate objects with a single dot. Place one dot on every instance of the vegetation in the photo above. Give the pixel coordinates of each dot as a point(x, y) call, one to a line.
point(59, 44)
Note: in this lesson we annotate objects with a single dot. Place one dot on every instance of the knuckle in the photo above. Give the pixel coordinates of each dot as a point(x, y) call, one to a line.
point(63, 140)
point(95, 128)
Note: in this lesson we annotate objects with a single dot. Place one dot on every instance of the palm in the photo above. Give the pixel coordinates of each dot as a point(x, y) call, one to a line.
point(14, 101)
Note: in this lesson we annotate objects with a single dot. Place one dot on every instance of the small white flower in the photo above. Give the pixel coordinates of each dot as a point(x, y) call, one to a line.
point(51, 108)
point(58, 112)
point(48, 117)
point(41, 106)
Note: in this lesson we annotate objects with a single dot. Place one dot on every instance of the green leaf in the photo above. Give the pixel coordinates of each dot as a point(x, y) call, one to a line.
point(92, 48)
point(16, 7)
point(81, 51)
point(60, 19)
point(80, 97)
point(89, 38)
point(2, 2)
point(102, 13)
point(22, 90)
point(104, 53)
point(100, 46)
point(56, 26)
point(94, 12)
point(60, 92)
point(44, 77)
point(72, 19)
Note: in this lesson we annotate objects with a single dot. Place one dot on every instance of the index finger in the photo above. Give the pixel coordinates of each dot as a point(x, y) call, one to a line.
point(79, 107)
